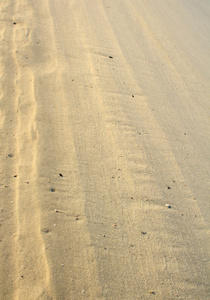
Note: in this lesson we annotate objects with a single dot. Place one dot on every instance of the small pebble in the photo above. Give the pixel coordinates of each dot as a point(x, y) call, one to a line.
point(152, 292)
point(143, 232)
point(168, 205)
point(110, 56)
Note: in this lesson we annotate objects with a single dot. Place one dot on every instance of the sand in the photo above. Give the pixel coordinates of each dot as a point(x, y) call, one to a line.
point(104, 143)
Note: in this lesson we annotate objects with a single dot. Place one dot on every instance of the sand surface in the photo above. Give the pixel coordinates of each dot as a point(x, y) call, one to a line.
point(104, 149)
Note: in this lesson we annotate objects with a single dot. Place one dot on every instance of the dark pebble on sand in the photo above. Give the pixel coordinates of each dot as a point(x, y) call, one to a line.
point(152, 292)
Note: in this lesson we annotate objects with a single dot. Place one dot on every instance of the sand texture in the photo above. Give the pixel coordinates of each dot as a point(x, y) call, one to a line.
point(104, 149)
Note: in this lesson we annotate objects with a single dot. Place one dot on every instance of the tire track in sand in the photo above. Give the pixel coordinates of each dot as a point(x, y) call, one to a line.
point(70, 251)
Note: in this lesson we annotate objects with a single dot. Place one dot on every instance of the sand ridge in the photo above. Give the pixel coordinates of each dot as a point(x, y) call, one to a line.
point(30, 260)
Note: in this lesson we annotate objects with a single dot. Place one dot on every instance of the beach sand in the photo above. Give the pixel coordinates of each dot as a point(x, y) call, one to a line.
point(104, 143)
